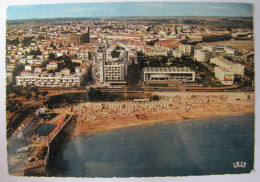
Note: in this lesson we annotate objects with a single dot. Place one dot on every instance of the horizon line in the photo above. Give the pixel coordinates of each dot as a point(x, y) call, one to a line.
point(126, 17)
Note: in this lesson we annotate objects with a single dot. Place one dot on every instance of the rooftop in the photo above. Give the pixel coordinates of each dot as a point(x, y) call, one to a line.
point(166, 69)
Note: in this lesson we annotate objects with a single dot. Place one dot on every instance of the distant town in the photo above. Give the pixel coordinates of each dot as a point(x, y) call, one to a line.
point(148, 52)
point(49, 58)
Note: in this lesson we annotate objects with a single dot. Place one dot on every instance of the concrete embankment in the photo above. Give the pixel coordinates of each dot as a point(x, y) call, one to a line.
point(52, 148)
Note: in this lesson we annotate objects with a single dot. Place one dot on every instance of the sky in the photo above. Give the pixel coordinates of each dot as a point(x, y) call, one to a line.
point(119, 9)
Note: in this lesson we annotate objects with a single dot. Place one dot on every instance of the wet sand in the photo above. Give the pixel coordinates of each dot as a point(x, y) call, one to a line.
point(97, 117)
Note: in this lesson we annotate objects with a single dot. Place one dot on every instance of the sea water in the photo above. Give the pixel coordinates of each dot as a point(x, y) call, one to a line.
point(194, 147)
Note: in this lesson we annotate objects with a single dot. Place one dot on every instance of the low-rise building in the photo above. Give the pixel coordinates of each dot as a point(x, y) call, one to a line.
point(49, 80)
point(156, 53)
point(52, 65)
point(176, 53)
point(81, 69)
point(9, 78)
point(168, 74)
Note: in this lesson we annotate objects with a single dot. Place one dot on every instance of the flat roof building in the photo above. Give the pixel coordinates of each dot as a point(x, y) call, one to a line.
point(201, 55)
point(238, 69)
point(186, 49)
point(115, 72)
point(224, 75)
point(49, 80)
point(168, 74)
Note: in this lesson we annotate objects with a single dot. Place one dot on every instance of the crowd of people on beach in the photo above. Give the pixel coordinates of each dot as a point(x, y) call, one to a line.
point(93, 117)
point(138, 110)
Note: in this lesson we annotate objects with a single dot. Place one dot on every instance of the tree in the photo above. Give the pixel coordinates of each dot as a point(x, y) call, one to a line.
point(27, 41)
point(20, 104)
point(115, 54)
point(51, 71)
point(152, 42)
point(51, 56)
point(94, 95)
point(12, 42)
point(28, 95)
point(13, 109)
point(17, 70)
point(12, 96)
point(40, 37)
point(133, 75)
point(44, 93)
point(164, 59)
point(155, 98)
point(155, 63)
point(35, 52)
point(17, 90)
point(37, 94)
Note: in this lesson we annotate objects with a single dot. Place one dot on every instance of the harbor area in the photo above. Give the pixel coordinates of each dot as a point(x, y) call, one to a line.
point(29, 147)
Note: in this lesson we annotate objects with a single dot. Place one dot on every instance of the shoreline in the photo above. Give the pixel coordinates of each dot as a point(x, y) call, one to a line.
point(93, 118)
point(86, 134)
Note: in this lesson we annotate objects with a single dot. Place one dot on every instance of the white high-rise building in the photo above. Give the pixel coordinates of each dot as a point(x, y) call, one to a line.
point(111, 70)
point(115, 72)
point(201, 55)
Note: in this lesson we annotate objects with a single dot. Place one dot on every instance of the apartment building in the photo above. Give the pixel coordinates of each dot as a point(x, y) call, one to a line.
point(201, 55)
point(156, 53)
point(238, 69)
point(186, 49)
point(49, 80)
point(176, 53)
point(224, 75)
point(115, 72)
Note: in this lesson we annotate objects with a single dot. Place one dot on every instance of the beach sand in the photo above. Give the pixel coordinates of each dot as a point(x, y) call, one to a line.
point(180, 106)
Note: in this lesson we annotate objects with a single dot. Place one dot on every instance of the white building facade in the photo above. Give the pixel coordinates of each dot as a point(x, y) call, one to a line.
point(224, 75)
point(49, 80)
point(186, 49)
point(168, 74)
point(238, 69)
point(115, 73)
point(201, 55)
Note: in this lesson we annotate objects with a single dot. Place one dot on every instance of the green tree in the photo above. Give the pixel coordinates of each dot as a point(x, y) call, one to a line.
point(164, 60)
point(51, 56)
point(27, 41)
point(37, 94)
point(155, 98)
point(12, 42)
point(115, 54)
point(20, 104)
point(17, 70)
point(28, 95)
point(155, 62)
point(94, 95)
point(44, 93)
point(35, 52)
point(51, 71)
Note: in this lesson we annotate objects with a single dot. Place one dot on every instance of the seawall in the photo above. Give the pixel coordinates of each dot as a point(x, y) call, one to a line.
point(52, 148)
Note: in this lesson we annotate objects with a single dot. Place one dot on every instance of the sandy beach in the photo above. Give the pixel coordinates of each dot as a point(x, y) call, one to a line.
point(97, 117)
